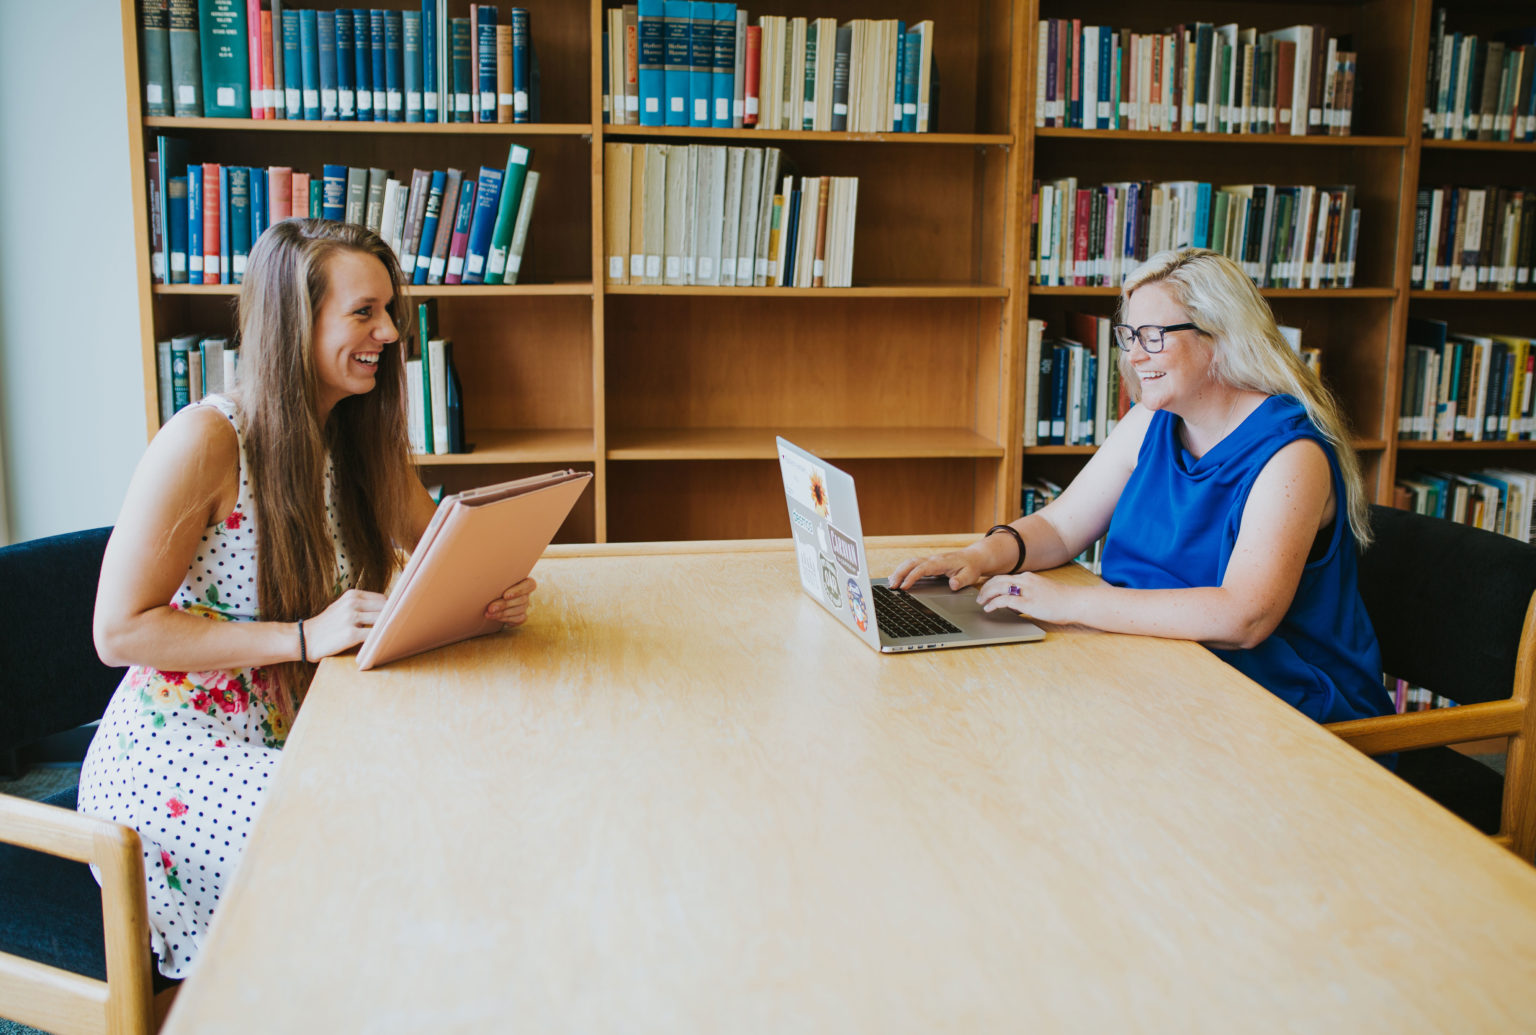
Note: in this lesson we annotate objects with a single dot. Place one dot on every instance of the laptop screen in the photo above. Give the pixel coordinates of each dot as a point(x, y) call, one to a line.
point(829, 539)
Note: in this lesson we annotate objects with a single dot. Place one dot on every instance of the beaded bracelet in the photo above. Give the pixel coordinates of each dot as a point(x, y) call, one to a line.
point(1017, 539)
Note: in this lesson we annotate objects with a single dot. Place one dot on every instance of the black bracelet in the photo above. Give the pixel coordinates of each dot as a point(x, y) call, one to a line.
point(303, 651)
point(1017, 539)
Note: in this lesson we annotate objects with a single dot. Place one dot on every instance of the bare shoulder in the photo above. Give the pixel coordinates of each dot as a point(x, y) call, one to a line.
point(1298, 476)
point(1124, 443)
point(196, 456)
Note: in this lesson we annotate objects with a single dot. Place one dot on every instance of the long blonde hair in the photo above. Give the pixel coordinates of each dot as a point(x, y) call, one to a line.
point(1249, 353)
point(286, 279)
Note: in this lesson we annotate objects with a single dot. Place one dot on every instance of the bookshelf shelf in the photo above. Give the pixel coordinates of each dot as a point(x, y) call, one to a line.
point(1309, 293)
point(1478, 145)
point(871, 291)
point(1273, 139)
point(418, 291)
point(519, 446)
point(828, 442)
point(1474, 296)
point(611, 132)
point(1420, 446)
point(447, 129)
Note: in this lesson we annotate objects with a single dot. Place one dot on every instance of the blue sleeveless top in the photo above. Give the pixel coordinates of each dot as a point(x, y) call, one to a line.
point(1177, 522)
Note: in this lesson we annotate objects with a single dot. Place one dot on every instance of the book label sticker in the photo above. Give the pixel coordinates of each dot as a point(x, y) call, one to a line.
point(153, 93)
point(394, 100)
point(653, 266)
point(456, 266)
point(751, 103)
point(413, 101)
point(839, 109)
point(365, 100)
point(431, 98)
point(178, 262)
point(461, 102)
point(677, 104)
point(615, 267)
point(700, 108)
point(519, 155)
point(738, 108)
point(476, 263)
point(632, 103)
point(504, 98)
point(225, 96)
point(237, 263)
point(186, 94)
point(637, 265)
point(818, 268)
point(652, 105)
point(706, 268)
point(674, 267)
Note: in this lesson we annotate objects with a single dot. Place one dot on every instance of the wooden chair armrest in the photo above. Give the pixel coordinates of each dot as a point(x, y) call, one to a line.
point(1434, 728)
point(58, 1000)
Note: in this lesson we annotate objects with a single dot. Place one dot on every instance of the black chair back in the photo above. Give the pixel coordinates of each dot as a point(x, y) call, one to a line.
point(50, 677)
point(1448, 602)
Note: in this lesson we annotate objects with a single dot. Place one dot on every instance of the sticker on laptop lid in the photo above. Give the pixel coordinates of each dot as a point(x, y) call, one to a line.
point(856, 605)
point(829, 583)
point(804, 482)
point(846, 550)
point(810, 576)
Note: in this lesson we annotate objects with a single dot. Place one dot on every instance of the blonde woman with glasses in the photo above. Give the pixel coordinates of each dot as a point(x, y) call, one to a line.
point(258, 535)
point(1231, 502)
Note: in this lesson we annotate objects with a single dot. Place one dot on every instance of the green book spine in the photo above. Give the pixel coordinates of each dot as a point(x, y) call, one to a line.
point(225, 59)
point(155, 52)
point(506, 212)
point(426, 325)
point(186, 65)
point(316, 197)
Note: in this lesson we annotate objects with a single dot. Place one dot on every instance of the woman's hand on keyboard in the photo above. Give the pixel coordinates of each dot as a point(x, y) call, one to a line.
point(962, 568)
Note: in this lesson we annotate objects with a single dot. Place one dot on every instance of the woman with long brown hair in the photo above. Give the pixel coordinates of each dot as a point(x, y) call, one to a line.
point(258, 535)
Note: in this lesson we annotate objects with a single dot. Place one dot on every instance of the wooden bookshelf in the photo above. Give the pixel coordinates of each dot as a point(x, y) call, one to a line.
point(913, 378)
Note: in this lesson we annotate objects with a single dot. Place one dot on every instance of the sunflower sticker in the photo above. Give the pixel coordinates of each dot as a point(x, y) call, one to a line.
point(805, 483)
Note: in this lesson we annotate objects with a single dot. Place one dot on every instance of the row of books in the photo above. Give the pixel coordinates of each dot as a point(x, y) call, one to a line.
point(1474, 239)
point(1466, 387)
point(725, 217)
point(1480, 89)
point(256, 59)
point(1299, 237)
point(434, 394)
point(445, 227)
point(1409, 698)
point(682, 63)
point(1199, 78)
point(1075, 395)
point(190, 366)
point(1496, 499)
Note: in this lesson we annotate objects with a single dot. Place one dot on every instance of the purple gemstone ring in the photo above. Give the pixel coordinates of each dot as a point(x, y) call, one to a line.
point(1013, 591)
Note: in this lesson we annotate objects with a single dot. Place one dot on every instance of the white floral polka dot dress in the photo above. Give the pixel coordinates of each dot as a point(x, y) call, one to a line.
point(184, 757)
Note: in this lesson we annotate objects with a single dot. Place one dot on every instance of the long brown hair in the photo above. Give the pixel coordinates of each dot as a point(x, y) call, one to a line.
point(1250, 353)
point(286, 280)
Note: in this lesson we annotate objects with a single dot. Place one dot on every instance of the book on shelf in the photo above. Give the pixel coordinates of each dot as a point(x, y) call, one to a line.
point(1282, 236)
point(1466, 387)
point(1073, 391)
point(1194, 78)
point(686, 63)
point(267, 59)
point(1479, 88)
point(700, 214)
point(206, 217)
point(1495, 499)
point(190, 366)
point(1474, 238)
point(513, 179)
point(434, 396)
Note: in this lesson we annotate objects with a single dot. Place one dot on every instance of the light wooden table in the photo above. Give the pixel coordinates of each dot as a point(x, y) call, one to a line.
point(683, 799)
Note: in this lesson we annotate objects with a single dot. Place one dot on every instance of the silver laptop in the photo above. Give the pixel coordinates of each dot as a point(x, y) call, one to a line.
point(829, 541)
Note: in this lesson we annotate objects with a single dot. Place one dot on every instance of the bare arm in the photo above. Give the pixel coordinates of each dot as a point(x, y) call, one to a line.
point(1291, 500)
point(1057, 532)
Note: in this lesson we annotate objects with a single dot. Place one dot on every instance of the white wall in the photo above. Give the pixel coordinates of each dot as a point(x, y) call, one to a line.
point(71, 389)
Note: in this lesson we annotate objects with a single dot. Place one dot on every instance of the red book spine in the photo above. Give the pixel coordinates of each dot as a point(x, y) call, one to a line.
point(268, 75)
point(751, 68)
point(280, 193)
point(1080, 246)
point(458, 245)
point(211, 252)
point(253, 47)
point(301, 195)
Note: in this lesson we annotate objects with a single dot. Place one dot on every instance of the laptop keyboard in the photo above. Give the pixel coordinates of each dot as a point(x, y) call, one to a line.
point(898, 615)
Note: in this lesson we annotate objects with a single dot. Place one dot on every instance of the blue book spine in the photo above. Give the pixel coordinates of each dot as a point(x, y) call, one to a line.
point(378, 28)
point(482, 224)
point(224, 53)
point(676, 68)
point(701, 62)
point(429, 222)
point(176, 228)
point(462, 214)
point(333, 197)
point(362, 62)
point(1202, 235)
point(194, 224)
point(258, 177)
point(429, 84)
point(226, 249)
point(909, 76)
point(725, 65)
point(239, 221)
point(896, 87)
point(1107, 98)
point(326, 34)
point(1061, 373)
point(522, 61)
point(652, 64)
point(410, 34)
point(309, 53)
point(346, 67)
point(486, 62)
point(394, 65)
point(458, 56)
point(293, 67)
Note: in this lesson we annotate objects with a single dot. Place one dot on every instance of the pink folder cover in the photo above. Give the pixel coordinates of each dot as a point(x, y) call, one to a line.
point(478, 543)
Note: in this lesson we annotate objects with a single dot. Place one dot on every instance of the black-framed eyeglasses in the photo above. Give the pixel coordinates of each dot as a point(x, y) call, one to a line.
point(1150, 335)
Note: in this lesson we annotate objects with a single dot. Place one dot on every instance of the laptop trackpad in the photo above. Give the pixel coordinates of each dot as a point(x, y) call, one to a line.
point(961, 607)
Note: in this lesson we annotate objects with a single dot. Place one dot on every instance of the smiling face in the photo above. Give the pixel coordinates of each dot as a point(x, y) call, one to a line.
point(353, 327)
point(1178, 378)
